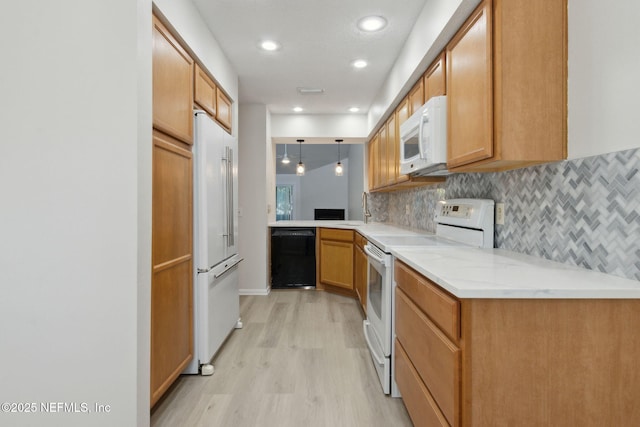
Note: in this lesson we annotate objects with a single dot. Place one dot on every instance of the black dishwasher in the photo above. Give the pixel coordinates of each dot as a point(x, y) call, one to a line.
point(293, 257)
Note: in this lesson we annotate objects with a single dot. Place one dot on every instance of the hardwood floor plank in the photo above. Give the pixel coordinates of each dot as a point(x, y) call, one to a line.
point(300, 360)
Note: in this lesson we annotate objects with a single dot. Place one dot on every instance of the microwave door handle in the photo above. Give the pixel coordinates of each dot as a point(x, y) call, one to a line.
point(424, 118)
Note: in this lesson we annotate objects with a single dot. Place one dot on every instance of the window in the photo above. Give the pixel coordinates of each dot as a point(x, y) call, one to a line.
point(284, 202)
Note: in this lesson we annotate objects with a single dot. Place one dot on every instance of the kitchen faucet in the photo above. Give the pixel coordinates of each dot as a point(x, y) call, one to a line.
point(365, 207)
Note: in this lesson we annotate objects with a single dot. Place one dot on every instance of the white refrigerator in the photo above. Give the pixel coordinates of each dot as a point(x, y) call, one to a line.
point(216, 301)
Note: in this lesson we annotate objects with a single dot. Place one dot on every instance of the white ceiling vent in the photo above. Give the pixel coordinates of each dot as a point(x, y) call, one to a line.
point(310, 91)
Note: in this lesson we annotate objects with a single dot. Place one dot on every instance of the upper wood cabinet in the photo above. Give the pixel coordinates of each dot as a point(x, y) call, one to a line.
point(416, 96)
point(172, 85)
point(392, 153)
point(506, 86)
point(374, 161)
point(434, 79)
point(383, 157)
point(402, 114)
point(223, 109)
point(470, 90)
point(205, 91)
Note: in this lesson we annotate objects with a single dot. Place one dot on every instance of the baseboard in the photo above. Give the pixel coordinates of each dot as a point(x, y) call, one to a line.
point(262, 292)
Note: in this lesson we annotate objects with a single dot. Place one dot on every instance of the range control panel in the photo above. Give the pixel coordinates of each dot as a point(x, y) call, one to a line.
point(469, 213)
point(456, 211)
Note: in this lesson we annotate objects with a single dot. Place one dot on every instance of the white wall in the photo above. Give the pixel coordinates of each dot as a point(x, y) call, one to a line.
point(604, 65)
point(321, 188)
point(356, 182)
point(253, 198)
point(436, 24)
point(320, 126)
point(75, 218)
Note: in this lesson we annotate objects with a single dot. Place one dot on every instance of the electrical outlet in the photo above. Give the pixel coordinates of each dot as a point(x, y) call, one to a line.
point(500, 213)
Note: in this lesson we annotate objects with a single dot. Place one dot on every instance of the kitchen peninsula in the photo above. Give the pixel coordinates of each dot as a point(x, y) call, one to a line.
point(488, 336)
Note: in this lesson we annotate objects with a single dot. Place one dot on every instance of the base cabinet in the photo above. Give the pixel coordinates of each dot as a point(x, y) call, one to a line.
point(524, 362)
point(361, 265)
point(172, 262)
point(336, 258)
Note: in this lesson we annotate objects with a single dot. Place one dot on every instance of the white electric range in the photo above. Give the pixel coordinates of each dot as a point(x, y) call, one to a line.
point(459, 222)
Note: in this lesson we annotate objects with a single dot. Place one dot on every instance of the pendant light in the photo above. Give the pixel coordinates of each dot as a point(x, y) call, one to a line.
point(285, 159)
point(300, 167)
point(339, 168)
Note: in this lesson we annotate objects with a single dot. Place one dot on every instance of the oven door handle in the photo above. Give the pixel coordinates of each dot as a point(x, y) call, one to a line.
point(374, 256)
point(372, 350)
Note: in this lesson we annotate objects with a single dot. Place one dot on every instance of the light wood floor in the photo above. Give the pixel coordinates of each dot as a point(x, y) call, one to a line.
point(300, 360)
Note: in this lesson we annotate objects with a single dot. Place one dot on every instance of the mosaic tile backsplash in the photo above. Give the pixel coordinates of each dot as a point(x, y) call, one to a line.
point(584, 212)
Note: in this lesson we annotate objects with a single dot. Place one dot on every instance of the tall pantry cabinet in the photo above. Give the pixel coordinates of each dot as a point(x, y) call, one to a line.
point(172, 211)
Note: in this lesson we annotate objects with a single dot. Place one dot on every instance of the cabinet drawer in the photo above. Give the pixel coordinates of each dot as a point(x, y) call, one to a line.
point(435, 357)
point(422, 408)
point(336, 234)
point(442, 309)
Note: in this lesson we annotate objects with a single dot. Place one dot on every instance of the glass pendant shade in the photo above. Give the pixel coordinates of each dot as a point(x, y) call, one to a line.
point(300, 167)
point(339, 168)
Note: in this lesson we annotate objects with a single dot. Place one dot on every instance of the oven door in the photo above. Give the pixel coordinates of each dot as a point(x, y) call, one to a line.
point(379, 289)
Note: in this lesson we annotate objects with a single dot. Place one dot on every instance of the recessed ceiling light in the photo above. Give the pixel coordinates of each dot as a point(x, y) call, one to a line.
point(359, 63)
point(269, 45)
point(354, 109)
point(372, 23)
point(297, 109)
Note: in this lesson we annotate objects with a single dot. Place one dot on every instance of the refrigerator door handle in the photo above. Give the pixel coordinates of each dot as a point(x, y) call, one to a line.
point(215, 276)
point(230, 221)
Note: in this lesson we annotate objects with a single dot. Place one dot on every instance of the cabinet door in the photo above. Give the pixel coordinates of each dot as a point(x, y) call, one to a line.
point(470, 90)
point(402, 114)
point(434, 79)
point(383, 158)
point(391, 153)
point(374, 162)
point(336, 263)
point(172, 263)
point(172, 85)
point(223, 113)
point(416, 96)
point(361, 276)
point(205, 92)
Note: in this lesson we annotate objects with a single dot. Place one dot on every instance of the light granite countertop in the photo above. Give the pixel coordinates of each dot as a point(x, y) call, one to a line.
point(468, 272)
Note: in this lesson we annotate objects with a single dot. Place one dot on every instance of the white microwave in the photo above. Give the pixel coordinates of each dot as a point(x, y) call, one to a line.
point(423, 140)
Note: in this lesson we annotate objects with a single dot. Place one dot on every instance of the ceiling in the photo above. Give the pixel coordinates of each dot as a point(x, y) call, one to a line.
point(319, 40)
